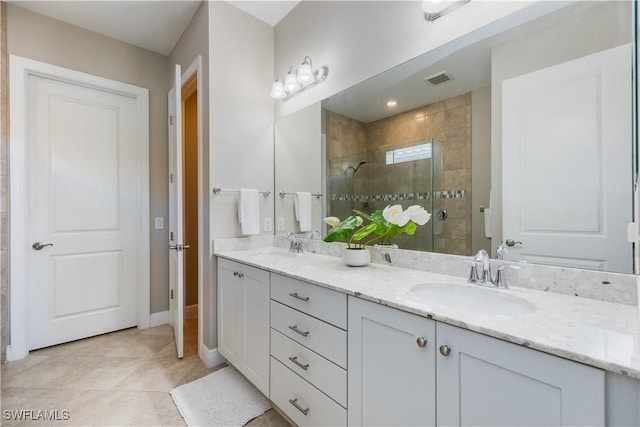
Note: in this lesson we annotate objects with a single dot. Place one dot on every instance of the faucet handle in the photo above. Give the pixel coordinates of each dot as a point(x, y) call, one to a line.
point(473, 274)
point(500, 281)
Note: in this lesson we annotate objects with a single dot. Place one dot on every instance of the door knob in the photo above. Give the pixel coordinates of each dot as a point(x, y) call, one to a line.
point(38, 246)
point(511, 243)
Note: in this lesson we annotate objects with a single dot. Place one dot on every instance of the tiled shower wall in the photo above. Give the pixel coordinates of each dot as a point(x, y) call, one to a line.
point(4, 202)
point(349, 142)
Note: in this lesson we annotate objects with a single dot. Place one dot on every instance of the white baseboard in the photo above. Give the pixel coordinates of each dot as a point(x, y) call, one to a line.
point(160, 318)
point(210, 357)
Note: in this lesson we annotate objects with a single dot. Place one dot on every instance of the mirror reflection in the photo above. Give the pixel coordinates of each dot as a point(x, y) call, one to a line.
point(531, 140)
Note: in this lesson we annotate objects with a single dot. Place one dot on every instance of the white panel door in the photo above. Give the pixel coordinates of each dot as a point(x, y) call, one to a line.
point(82, 212)
point(176, 217)
point(567, 163)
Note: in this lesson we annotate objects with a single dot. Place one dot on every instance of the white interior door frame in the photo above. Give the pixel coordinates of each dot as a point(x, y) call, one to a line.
point(196, 67)
point(20, 70)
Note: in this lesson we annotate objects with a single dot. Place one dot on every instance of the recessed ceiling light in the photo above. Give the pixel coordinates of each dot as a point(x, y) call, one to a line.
point(392, 103)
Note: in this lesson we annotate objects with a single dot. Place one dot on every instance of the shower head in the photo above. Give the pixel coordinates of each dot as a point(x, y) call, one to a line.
point(357, 167)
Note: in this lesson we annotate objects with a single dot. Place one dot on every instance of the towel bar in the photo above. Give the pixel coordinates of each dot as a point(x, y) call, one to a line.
point(217, 190)
point(284, 193)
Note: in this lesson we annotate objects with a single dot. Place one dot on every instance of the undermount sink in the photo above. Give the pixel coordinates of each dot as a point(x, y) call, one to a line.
point(274, 255)
point(471, 298)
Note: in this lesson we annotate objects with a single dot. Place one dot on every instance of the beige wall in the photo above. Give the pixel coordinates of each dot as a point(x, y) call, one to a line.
point(480, 166)
point(48, 40)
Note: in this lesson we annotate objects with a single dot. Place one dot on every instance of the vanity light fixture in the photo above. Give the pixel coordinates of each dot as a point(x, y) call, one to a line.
point(298, 80)
point(434, 9)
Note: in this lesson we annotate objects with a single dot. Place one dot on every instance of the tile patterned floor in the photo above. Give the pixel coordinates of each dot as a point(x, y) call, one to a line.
point(118, 379)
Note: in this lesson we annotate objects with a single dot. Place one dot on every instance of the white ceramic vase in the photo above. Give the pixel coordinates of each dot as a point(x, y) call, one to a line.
point(356, 257)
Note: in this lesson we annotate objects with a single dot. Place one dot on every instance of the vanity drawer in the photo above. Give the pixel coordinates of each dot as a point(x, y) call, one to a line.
point(328, 377)
point(327, 340)
point(288, 390)
point(323, 303)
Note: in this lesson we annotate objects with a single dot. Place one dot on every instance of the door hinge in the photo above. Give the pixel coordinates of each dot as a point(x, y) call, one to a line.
point(171, 236)
point(633, 234)
point(171, 178)
point(171, 293)
point(171, 120)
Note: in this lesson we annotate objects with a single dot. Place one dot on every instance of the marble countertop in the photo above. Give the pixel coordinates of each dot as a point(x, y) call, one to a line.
point(598, 333)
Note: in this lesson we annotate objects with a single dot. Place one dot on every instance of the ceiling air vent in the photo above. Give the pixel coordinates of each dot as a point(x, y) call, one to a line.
point(438, 78)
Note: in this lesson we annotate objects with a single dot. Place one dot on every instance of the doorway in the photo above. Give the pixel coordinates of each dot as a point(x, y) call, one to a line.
point(190, 208)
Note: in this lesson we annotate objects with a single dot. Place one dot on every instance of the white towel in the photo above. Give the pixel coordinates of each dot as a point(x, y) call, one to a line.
point(249, 211)
point(302, 207)
point(487, 223)
point(488, 219)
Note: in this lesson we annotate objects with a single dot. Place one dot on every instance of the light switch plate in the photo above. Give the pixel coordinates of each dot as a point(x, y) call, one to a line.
point(268, 224)
point(159, 223)
point(280, 223)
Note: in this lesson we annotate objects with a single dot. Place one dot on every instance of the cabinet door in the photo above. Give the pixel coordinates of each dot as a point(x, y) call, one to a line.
point(488, 382)
point(256, 361)
point(231, 309)
point(391, 376)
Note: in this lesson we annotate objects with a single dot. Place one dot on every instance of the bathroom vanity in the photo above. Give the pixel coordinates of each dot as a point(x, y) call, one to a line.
point(364, 346)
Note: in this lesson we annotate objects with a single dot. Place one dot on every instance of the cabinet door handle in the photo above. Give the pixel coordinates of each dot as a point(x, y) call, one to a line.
point(294, 328)
point(445, 350)
point(421, 341)
point(235, 274)
point(294, 359)
point(295, 295)
point(240, 275)
point(294, 402)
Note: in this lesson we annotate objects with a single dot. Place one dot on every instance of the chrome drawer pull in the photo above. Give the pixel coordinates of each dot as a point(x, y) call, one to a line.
point(294, 328)
point(294, 402)
point(294, 359)
point(295, 295)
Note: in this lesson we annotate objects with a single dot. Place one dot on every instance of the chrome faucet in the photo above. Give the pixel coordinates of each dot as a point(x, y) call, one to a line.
point(315, 235)
point(501, 250)
point(295, 246)
point(486, 278)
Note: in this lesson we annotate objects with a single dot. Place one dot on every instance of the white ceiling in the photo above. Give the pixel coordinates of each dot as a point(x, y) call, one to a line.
point(155, 25)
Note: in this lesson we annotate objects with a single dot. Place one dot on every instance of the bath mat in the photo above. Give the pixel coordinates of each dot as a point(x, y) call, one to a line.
point(222, 398)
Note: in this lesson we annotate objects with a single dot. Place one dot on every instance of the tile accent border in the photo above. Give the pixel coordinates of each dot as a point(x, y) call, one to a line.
point(452, 194)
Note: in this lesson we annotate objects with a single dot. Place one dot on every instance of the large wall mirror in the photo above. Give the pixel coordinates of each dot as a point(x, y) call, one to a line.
point(520, 134)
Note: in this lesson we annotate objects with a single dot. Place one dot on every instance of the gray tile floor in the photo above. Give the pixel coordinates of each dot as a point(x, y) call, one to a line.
point(118, 379)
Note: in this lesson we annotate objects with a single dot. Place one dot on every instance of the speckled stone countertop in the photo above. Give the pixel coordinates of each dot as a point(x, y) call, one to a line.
point(598, 333)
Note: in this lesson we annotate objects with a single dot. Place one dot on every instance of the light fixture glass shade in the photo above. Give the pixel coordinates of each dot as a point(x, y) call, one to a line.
point(305, 75)
point(434, 9)
point(277, 90)
point(291, 82)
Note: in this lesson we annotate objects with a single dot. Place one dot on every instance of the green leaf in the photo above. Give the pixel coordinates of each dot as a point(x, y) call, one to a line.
point(342, 231)
point(410, 228)
point(364, 232)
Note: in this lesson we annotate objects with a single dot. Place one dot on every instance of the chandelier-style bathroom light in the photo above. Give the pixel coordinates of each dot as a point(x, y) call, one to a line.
point(298, 80)
point(434, 9)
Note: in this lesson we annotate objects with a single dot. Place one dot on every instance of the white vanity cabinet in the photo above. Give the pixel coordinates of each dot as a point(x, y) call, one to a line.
point(478, 380)
point(392, 369)
point(243, 320)
point(308, 352)
point(484, 381)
